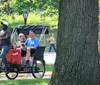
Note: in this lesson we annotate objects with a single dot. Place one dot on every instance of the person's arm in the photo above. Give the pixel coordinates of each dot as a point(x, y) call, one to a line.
point(25, 44)
point(49, 39)
point(8, 34)
point(16, 45)
point(36, 44)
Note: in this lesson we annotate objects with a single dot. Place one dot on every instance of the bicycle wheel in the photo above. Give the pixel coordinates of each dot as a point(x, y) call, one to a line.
point(38, 68)
point(12, 74)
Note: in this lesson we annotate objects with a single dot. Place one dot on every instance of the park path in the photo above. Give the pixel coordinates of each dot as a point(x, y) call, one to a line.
point(26, 76)
point(49, 59)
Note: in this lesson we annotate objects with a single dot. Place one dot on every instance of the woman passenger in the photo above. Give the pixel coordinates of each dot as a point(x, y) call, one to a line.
point(20, 44)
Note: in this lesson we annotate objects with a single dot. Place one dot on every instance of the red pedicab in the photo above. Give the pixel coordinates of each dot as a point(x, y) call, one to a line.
point(15, 59)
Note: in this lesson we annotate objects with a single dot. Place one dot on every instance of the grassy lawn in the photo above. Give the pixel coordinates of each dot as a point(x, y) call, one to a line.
point(49, 67)
point(26, 82)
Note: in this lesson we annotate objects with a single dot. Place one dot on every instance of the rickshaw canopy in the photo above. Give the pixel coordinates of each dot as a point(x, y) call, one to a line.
point(37, 29)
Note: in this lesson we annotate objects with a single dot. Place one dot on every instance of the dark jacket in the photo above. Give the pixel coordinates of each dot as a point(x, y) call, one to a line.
point(5, 37)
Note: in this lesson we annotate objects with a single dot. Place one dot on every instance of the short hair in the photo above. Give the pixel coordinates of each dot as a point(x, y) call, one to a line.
point(31, 31)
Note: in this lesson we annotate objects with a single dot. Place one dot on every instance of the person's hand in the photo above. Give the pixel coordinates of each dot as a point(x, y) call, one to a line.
point(23, 47)
point(14, 46)
point(19, 45)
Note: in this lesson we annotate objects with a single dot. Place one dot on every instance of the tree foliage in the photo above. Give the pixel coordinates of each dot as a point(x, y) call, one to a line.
point(29, 5)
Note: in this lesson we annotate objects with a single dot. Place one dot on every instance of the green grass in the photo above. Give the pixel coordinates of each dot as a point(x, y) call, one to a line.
point(25, 82)
point(49, 67)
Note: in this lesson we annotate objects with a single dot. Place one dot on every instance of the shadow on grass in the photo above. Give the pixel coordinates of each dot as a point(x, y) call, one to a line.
point(26, 82)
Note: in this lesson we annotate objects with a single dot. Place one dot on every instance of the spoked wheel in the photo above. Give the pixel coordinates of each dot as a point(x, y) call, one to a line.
point(12, 74)
point(38, 68)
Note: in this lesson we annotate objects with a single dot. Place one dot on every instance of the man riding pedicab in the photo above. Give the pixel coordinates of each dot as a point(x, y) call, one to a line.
point(5, 41)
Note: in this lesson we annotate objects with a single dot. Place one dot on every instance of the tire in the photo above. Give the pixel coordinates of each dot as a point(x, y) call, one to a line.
point(12, 74)
point(38, 68)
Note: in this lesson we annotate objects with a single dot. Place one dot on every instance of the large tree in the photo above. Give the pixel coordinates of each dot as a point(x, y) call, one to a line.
point(77, 61)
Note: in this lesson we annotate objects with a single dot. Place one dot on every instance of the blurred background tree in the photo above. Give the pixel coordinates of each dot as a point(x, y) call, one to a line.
point(13, 6)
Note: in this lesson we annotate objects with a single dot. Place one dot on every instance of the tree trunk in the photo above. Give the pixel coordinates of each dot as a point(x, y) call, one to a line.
point(77, 61)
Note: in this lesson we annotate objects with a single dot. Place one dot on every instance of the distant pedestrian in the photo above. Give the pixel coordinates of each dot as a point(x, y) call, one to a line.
point(52, 43)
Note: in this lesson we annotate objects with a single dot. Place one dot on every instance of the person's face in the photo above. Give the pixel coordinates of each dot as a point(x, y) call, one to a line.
point(20, 38)
point(31, 34)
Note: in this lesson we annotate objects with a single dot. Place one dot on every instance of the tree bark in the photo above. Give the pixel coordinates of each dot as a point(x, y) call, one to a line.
point(77, 60)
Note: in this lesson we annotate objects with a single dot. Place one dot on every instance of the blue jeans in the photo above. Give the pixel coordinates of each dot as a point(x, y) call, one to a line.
point(4, 50)
point(52, 46)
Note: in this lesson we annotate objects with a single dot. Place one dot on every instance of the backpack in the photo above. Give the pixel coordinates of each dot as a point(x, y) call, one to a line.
point(14, 56)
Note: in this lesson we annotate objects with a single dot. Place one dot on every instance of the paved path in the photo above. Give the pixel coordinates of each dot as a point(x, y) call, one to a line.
point(26, 76)
point(49, 59)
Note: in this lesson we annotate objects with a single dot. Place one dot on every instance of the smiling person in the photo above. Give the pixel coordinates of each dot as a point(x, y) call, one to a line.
point(20, 42)
point(31, 44)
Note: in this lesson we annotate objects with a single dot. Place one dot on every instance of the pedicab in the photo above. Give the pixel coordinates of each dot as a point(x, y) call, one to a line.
point(15, 59)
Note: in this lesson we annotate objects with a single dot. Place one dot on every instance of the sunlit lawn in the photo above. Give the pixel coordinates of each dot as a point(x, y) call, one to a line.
point(25, 82)
point(49, 68)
